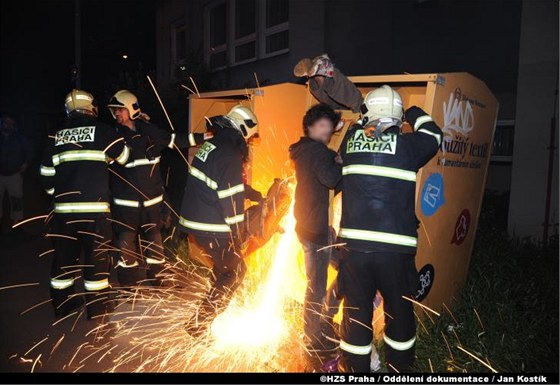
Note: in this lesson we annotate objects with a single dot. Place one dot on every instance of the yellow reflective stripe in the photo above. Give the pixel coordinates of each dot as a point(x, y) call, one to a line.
point(401, 346)
point(192, 141)
point(124, 265)
point(79, 155)
point(421, 120)
point(154, 201)
point(231, 191)
point(172, 141)
point(355, 349)
point(129, 203)
point(153, 261)
point(437, 136)
point(389, 172)
point(125, 202)
point(50, 191)
point(60, 284)
point(48, 171)
point(202, 176)
point(142, 162)
point(96, 285)
point(219, 228)
point(82, 207)
point(378, 236)
point(123, 157)
point(235, 219)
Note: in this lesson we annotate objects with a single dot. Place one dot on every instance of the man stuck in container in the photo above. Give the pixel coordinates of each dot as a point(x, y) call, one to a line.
point(137, 189)
point(75, 171)
point(213, 208)
point(378, 225)
point(318, 171)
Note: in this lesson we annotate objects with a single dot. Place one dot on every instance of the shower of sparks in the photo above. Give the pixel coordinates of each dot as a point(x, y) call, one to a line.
point(29, 220)
point(252, 334)
point(259, 331)
point(476, 358)
point(19, 285)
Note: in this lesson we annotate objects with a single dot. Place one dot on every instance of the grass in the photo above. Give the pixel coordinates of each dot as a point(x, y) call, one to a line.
point(507, 314)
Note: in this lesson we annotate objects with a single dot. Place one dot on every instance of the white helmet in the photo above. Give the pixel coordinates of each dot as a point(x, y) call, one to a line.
point(382, 106)
point(125, 99)
point(244, 120)
point(78, 101)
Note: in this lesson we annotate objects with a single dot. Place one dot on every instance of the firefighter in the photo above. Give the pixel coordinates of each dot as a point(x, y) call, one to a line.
point(378, 224)
point(75, 171)
point(137, 189)
point(213, 209)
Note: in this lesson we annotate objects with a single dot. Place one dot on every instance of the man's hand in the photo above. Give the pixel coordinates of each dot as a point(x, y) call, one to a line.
point(412, 114)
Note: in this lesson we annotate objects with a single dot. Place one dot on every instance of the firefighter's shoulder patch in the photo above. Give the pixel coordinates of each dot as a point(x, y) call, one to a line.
point(205, 150)
point(74, 135)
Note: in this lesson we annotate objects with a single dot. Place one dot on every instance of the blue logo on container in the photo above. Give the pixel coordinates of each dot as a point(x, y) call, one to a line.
point(432, 194)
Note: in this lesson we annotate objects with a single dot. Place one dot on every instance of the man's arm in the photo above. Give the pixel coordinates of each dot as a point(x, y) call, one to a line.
point(115, 146)
point(163, 138)
point(327, 170)
point(427, 135)
point(47, 169)
point(231, 192)
point(252, 194)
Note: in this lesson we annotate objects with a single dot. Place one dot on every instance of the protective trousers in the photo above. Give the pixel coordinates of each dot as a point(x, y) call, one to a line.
point(361, 275)
point(139, 243)
point(228, 272)
point(71, 235)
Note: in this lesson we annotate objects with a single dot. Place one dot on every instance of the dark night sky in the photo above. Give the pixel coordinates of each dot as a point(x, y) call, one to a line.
point(37, 48)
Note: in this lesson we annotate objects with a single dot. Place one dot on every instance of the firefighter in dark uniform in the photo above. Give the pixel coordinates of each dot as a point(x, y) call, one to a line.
point(138, 191)
point(379, 224)
point(75, 171)
point(213, 207)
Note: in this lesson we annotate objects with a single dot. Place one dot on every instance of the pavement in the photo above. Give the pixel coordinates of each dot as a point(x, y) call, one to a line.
point(26, 315)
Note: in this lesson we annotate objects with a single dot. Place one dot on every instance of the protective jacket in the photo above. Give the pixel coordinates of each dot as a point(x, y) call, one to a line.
point(214, 195)
point(75, 166)
point(15, 151)
point(316, 173)
point(139, 182)
point(379, 182)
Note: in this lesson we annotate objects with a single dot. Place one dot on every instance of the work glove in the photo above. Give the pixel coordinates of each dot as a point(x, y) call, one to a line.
point(412, 114)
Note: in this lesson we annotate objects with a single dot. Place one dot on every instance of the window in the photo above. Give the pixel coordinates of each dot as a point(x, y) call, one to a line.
point(277, 36)
point(502, 150)
point(218, 36)
point(178, 41)
point(240, 31)
point(245, 46)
